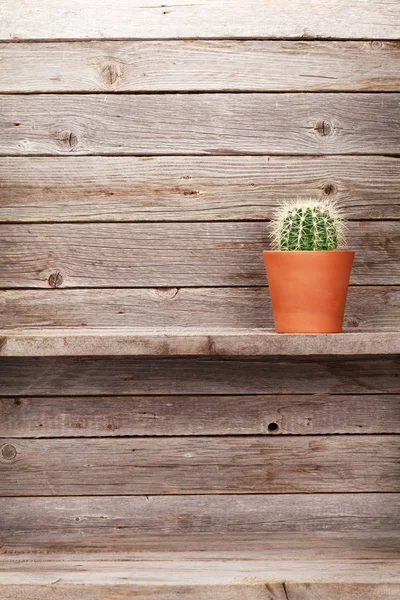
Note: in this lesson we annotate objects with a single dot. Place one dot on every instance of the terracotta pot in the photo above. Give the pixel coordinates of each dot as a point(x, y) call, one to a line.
point(308, 289)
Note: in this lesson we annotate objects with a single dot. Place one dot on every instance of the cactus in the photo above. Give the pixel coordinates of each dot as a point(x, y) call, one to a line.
point(308, 224)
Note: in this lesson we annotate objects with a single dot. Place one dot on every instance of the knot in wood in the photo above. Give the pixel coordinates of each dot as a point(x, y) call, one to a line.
point(8, 452)
point(376, 45)
point(324, 128)
point(329, 188)
point(67, 139)
point(55, 280)
point(111, 72)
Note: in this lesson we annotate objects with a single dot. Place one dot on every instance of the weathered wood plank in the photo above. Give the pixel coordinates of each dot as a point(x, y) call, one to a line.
point(198, 415)
point(200, 124)
point(182, 254)
point(367, 308)
point(340, 591)
point(174, 572)
point(205, 465)
point(165, 376)
point(277, 545)
point(201, 65)
point(225, 19)
point(84, 591)
point(268, 590)
point(219, 188)
point(184, 341)
point(156, 523)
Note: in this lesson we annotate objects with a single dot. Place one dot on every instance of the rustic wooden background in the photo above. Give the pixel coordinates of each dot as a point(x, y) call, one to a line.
point(143, 148)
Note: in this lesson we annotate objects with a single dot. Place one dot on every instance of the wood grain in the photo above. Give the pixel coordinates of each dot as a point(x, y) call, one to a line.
point(165, 376)
point(264, 591)
point(368, 308)
point(185, 341)
point(300, 414)
point(219, 188)
point(174, 573)
point(169, 592)
point(182, 254)
point(200, 65)
point(377, 19)
point(200, 124)
point(207, 465)
point(138, 523)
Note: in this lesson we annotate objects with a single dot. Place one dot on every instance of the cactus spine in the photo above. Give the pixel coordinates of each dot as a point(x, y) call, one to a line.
point(307, 225)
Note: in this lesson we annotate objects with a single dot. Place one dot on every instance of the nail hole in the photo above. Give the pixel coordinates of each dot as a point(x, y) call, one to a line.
point(273, 427)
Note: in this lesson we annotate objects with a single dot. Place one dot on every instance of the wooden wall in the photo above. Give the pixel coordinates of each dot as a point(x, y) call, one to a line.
point(143, 148)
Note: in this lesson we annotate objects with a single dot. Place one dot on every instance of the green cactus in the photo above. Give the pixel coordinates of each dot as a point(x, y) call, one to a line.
point(307, 225)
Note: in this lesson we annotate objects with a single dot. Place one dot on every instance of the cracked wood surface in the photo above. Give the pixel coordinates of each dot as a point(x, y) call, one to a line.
point(375, 308)
point(200, 65)
point(46, 376)
point(288, 414)
point(203, 522)
point(218, 188)
point(199, 465)
point(200, 124)
point(183, 254)
point(146, 19)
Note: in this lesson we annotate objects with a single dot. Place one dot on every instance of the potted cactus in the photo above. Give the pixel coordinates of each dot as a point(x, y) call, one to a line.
point(308, 275)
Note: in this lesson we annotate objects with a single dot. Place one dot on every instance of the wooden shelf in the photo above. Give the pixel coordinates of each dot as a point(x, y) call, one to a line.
point(190, 342)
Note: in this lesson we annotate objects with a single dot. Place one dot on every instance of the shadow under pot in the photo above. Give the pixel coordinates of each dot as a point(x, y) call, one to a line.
point(308, 289)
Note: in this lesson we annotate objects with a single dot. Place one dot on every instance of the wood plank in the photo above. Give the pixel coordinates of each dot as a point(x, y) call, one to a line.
point(219, 188)
point(165, 376)
point(264, 591)
point(143, 19)
point(175, 572)
point(368, 308)
point(195, 465)
point(200, 124)
point(338, 591)
point(168, 592)
point(195, 522)
point(198, 415)
point(182, 254)
point(200, 65)
point(184, 341)
point(277, 546)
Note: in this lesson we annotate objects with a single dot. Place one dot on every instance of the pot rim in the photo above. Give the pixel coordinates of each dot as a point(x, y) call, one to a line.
point(311, 252)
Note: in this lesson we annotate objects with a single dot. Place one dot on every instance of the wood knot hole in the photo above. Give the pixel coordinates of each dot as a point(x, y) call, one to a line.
point(273, 427)
point(8, 452)
point(55, 280)
point(324, 128)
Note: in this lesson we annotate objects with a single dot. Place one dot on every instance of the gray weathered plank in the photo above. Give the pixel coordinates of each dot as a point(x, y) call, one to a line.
point(200, 124)
point(182, 254)
point(219, 188)
point(368, 308)
point(185, 341)
point(199, 465)
point(164, 376)
point(198, 415)
point(209, 19)
point(201, 65)
point(158, 522)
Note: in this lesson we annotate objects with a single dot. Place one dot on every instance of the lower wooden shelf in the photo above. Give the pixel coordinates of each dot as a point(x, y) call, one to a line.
point(191, 342)
point(288, 571)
